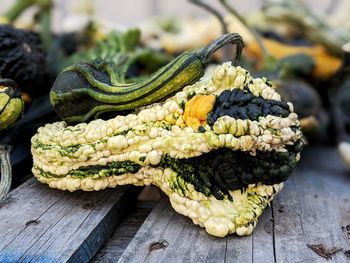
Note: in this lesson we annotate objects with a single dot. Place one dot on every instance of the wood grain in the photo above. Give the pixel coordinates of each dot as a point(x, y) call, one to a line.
point(39, 224)
point(124, 233)
point(311, 209)
point(315, 205)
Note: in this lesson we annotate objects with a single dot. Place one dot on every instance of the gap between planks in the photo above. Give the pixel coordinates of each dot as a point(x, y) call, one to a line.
point(115, 246)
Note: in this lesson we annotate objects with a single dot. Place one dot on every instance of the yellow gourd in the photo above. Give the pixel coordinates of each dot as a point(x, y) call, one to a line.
point(326, 64)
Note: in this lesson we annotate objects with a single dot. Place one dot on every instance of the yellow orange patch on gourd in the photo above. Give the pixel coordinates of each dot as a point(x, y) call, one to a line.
point(197, 109)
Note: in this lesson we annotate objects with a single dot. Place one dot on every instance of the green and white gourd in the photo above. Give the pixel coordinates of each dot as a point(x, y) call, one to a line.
point(87, 91)
point(11, 109)
point(222, 174)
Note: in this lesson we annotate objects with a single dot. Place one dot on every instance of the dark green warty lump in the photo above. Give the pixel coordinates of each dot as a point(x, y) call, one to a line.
point(112, 168)
point(222, 170)
point(215, 172)
point(242, 104)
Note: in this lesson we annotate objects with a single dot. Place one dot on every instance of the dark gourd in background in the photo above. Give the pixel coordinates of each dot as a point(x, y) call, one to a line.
point(288, 77)
point(340, 102)
point(22, 59)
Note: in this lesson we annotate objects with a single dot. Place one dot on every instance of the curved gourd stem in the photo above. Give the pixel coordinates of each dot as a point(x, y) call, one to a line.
point(17, 9)
point(5, 169)
point(257, 37)
point(44, 19)
point(21, 5)
point(234, 39)
point(219, 17)
point(213, 11)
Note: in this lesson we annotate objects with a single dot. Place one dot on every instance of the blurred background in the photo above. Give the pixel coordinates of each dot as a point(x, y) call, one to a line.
point(133, 12)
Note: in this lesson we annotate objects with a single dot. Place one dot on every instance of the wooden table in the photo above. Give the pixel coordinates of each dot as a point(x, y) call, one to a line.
point(313, 208)
point(39, 224)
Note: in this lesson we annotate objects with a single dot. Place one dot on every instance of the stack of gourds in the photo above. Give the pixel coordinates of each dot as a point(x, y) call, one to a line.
point(197, 146)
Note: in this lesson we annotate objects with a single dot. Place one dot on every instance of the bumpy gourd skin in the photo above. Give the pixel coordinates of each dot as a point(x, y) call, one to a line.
point(139, 148)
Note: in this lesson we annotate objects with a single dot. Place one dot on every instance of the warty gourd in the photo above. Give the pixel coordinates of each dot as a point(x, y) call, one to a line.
point(220, 162)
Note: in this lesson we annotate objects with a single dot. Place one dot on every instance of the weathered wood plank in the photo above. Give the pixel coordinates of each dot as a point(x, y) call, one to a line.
point(124, 233)
point(263, 246)
point(39, 224)
point(149, 233)
point(204, 248)
point(188, 243)
point(312, 208)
